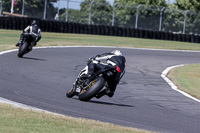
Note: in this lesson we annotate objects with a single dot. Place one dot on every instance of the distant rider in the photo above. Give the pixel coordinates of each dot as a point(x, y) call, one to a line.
point(113, 60)
point(32, 30)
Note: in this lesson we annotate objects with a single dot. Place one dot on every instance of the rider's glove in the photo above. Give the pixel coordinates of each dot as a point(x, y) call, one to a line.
point(91, 58)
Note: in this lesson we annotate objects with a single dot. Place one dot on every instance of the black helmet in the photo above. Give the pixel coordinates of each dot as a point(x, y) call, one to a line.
point(33, 22)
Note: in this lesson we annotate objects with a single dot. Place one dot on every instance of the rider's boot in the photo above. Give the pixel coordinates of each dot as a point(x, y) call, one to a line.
point(106, 91)
point(30, 48)
point(17, 44)
point(110, 93)
point(35, 43)
point(20, 41)
point(101, 93)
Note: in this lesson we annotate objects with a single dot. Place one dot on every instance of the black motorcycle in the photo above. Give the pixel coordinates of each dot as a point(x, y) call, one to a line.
point(27, 44)
point(88, 87)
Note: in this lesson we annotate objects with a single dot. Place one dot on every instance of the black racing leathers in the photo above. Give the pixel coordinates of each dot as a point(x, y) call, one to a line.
point(33, 31)
point(108, 60)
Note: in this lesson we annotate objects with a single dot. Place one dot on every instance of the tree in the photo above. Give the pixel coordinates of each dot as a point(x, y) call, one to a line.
point(187, 4)
point(101, 12)
point(144, 2)
point(32, 8)
point(148, 11)
point(74, 15)
point(192, 16)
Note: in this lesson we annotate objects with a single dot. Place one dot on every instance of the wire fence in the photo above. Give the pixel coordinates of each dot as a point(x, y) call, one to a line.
point(99, 12)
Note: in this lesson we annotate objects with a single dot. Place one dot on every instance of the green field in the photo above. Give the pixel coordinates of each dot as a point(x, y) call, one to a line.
point(22, 120)
point(17, 120)
point(187, 79)
point(8, 39)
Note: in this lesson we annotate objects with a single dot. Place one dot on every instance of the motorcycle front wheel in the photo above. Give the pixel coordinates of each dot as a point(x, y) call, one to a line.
point(22, 49)
point(70, 93)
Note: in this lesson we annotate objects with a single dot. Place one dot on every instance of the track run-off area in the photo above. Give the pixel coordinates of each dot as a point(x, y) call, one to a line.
point(143, 98)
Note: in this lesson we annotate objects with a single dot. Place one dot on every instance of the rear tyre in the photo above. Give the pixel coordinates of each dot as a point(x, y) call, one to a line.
point(91, 91)
point(23, 49)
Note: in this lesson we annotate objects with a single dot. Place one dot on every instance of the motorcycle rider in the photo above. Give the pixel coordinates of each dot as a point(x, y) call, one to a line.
point(114, 60)
point(33, 30)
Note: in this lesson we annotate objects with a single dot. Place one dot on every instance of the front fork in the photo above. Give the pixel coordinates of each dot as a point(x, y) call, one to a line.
point(75, 89)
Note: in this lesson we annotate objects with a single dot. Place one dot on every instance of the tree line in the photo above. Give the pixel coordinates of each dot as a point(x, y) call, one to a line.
point(173, 15)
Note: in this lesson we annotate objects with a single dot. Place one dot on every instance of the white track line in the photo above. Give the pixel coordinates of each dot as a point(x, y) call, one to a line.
point(8, 51)
point(173, 86)
point(163, 75)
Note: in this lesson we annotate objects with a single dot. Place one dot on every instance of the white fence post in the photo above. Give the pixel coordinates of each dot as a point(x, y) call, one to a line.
point(161, 11)
point(67, 11)
point(185, 16)
point(1, 7)
point(90, 12)
point(23, 8)
point(12, 10)
point(45, 8)
point(113, 18)
point(136, 21)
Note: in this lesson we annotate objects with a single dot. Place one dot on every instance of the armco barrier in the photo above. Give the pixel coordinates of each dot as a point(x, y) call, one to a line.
point(19, 23)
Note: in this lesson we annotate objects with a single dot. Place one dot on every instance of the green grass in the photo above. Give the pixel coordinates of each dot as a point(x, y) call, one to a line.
point(8, 39)
point(20, 120)
point(187, 78)
point(17, 120)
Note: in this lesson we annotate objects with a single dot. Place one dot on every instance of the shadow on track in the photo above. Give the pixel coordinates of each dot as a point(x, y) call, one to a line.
point(33, 58)
point(108, 103)
point(105, 103)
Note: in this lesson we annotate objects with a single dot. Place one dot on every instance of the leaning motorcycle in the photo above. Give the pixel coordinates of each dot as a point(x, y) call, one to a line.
point(88, 87)
point(27, 44)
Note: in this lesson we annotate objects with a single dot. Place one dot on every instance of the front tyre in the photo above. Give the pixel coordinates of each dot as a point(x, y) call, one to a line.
point(22, 49)
point(70, 93)
point(93, 88)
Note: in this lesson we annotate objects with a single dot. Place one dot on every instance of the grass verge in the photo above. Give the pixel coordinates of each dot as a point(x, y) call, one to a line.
point(8, 39)
point(187, 78)
point(17, 120)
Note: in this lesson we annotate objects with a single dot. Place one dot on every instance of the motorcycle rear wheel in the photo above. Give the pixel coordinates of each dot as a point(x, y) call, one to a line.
point(94, 87)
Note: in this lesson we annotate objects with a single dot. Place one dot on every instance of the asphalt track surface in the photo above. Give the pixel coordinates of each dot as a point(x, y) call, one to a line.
point(142, 99)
